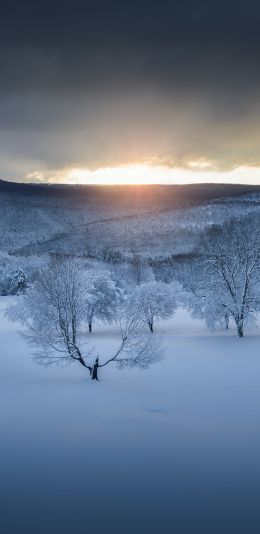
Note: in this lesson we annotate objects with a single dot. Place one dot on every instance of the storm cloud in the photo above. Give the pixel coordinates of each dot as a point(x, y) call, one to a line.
point(104, 83)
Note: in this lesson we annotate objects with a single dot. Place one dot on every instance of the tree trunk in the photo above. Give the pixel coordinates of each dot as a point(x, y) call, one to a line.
point(90, 327)
point(94, 375)
point(240, 329)
point(226, 321)
point(150, 322)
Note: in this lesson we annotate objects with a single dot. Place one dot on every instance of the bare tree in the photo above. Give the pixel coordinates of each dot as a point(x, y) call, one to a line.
point(139, 270)
point(102, 298)
point(53, 313)
point(156, 300)
point(224, 281)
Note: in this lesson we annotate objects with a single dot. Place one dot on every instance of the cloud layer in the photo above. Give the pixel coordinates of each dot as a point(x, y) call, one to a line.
point(90, 84)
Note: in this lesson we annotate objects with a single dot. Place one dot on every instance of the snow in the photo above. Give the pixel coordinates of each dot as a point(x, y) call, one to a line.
point(174, 448)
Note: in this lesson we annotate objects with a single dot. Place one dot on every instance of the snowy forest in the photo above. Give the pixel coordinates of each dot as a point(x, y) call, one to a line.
point(126, 259)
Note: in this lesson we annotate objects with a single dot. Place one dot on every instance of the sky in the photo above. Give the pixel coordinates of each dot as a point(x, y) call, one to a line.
point(130, 91)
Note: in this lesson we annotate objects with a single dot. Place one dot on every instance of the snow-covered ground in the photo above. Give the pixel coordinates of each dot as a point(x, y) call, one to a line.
point(171, 449)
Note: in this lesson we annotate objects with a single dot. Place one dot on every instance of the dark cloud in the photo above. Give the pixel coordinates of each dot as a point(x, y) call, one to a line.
point(96, 82)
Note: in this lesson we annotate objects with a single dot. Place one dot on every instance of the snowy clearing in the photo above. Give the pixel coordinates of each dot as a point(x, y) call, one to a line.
point(136, 451)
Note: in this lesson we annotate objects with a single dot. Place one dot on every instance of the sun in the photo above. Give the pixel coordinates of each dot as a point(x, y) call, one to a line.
point(124, 174)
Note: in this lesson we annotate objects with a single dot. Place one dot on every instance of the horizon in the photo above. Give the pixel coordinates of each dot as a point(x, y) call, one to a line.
point(144, 175)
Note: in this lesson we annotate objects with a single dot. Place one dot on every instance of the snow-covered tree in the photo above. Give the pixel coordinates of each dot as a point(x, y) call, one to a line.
point(224, 281)
point(138, 270)
point(155, 300)
point(53, 313)
point(17, 283)
point(102, 298)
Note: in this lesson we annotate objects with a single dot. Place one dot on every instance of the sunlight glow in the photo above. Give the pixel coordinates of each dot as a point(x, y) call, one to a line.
point(199, 171)
point(148, 174)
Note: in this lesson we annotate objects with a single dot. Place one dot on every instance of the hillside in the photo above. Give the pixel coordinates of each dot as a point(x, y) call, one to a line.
point(57, 210)
point(114, 221)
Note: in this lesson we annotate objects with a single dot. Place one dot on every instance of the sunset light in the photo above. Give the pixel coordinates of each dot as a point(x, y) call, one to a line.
point(197, 172)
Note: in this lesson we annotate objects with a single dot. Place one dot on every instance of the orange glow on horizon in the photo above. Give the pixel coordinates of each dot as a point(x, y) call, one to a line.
point(151, 174)
point(135, 174)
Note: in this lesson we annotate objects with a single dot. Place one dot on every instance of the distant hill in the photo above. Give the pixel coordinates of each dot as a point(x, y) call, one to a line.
point(147, 196)
point(105, 222)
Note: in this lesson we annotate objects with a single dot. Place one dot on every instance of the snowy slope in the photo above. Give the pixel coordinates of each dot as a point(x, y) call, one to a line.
point(134, 452)
point(41, 218)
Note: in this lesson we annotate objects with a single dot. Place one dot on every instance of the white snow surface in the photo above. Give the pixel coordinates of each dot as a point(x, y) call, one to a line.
point(174, 448)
